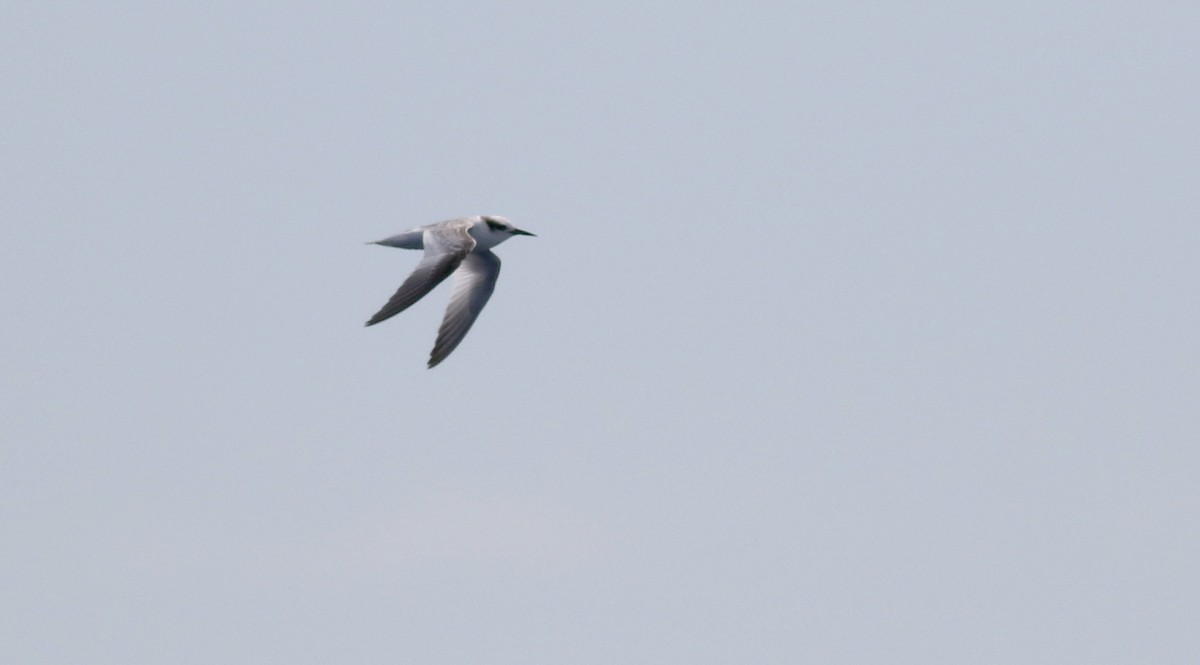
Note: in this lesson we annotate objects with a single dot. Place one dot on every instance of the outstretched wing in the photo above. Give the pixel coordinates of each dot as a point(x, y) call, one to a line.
point(473, 284)
point(445, 248)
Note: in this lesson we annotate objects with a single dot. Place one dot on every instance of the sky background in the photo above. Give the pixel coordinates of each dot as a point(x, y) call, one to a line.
point(852, 333)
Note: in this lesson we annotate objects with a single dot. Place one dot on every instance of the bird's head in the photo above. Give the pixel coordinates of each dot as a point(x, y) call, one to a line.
point(495, 230)
point(502, 225)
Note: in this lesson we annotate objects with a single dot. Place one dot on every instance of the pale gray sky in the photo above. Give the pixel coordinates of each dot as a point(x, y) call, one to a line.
point(853, 333)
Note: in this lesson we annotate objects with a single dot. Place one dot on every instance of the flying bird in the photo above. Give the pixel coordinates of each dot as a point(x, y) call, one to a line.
point(460, 246)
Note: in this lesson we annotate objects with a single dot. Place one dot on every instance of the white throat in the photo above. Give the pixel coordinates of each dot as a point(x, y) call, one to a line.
point(485, 236)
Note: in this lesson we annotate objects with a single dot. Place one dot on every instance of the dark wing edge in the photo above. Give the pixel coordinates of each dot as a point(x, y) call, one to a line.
point(431, 271)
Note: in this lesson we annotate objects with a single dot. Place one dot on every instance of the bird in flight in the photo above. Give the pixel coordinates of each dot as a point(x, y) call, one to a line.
point(460, 246)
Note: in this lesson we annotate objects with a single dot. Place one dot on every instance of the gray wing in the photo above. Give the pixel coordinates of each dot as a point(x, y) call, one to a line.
point(445, 248)
point(473, 284)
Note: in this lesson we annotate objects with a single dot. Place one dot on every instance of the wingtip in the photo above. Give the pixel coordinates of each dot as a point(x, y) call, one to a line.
point(436, 358)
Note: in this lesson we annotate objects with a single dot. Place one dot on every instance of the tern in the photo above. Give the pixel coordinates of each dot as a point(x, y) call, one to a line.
point(460, 246)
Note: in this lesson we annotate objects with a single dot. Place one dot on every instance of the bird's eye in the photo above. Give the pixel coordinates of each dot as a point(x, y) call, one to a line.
point(495, 226)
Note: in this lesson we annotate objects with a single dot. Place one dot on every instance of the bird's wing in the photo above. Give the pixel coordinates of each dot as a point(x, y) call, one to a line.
point(445, 248)
point(473, 284)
